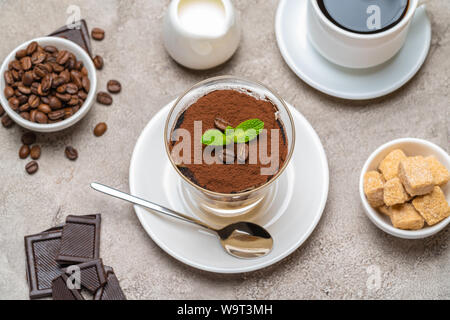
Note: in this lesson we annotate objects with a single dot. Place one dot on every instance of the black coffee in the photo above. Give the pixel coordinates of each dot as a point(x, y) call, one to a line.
point(364, 16)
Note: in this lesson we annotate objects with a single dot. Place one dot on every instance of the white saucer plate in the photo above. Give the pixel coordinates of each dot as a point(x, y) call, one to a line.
point(301, 195)
point(346, 83)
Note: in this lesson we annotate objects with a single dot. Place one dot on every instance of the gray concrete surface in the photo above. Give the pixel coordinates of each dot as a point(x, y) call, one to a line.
point(345, 251)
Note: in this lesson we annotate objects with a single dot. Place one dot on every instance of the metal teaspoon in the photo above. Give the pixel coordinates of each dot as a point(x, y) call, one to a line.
point(241, 239)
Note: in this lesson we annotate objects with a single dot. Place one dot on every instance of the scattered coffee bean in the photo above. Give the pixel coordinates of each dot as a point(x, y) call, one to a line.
point(28, 138)
point(32, 167)
point(24, 152)
point(114, 86)
point(221, 124)
point(98, 34)
point(71, 153)
point(104, 98)
point(98, 62)
point(46, 78)
point(2, 111)
point(100, 129)
point(35, 152)
point(242, 152)
point(7, 122)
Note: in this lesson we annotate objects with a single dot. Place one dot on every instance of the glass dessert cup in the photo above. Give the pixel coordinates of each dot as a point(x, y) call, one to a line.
point(230, 205)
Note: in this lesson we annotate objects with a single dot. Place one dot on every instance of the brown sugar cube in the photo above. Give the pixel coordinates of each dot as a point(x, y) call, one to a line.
point(415, 176)
point(389, 165)
point(373, 188)
point(394, 193)
point(404, 216)
point(433, 207)
point(384, 210)
point(440, 173)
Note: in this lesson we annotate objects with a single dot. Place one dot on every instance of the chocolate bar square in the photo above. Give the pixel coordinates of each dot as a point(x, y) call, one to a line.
point(79, 36)
point(60, 290)
point(92, 275)
point(80, 240)
point(41, 251)
point(111, 290)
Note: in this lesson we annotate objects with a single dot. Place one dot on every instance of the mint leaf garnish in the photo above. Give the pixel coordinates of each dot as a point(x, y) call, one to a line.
point(248, 130)
point(214, 137)
point(245, 132)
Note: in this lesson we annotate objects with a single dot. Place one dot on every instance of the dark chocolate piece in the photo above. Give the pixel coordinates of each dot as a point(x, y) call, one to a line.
point(79, 36)
point(80, 239)
point(41, 251)
point(92, 275)
point(62, 292)
point(112, 289)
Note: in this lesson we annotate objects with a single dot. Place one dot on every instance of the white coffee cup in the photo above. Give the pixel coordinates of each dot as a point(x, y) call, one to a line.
point(354, 50)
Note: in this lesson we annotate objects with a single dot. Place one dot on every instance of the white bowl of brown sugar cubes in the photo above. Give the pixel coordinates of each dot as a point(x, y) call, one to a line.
point(404, 188)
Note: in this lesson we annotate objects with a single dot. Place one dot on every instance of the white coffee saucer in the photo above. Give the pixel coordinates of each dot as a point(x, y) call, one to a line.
point(291, 216)
point(342, 82)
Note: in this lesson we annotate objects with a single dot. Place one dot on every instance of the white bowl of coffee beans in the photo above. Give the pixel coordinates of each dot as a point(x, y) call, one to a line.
point(48, 84)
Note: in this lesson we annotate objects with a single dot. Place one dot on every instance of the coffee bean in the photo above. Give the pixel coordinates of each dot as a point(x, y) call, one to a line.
point(26, 63)
point(34, 101)
point(56, 115)
point(24, 152)
point(61, 88)
point(82, 95)
point(35, 152)
point(9, 78)
point(7, 122)
point(226, 156)
point(64, 97)
point(54, 103)
point(59, 81)
point(114, 86)
point(25, 107)
point(45, 108)
point(221, 124)
point(104, 98)
point(24, 90)
point(41, 117)
point(28, 78)
point(28, 138)
point(21, 54)
point(86, 83)
point(14, 103)
point(62, 57)
point(98, 34)
point(38, 57)
point(50, 49)
point(100, 129)
point(32, 167)
point(40, 71)
point(71, 88)
point(9, 92)
point(33, 115)
point(98, 62)
point(2, 111)
point(46, 83)
point(71, 153)
point(68, 112)
point(73, 101)
point(25, 115)
point(242, 152)
point(32, 47)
